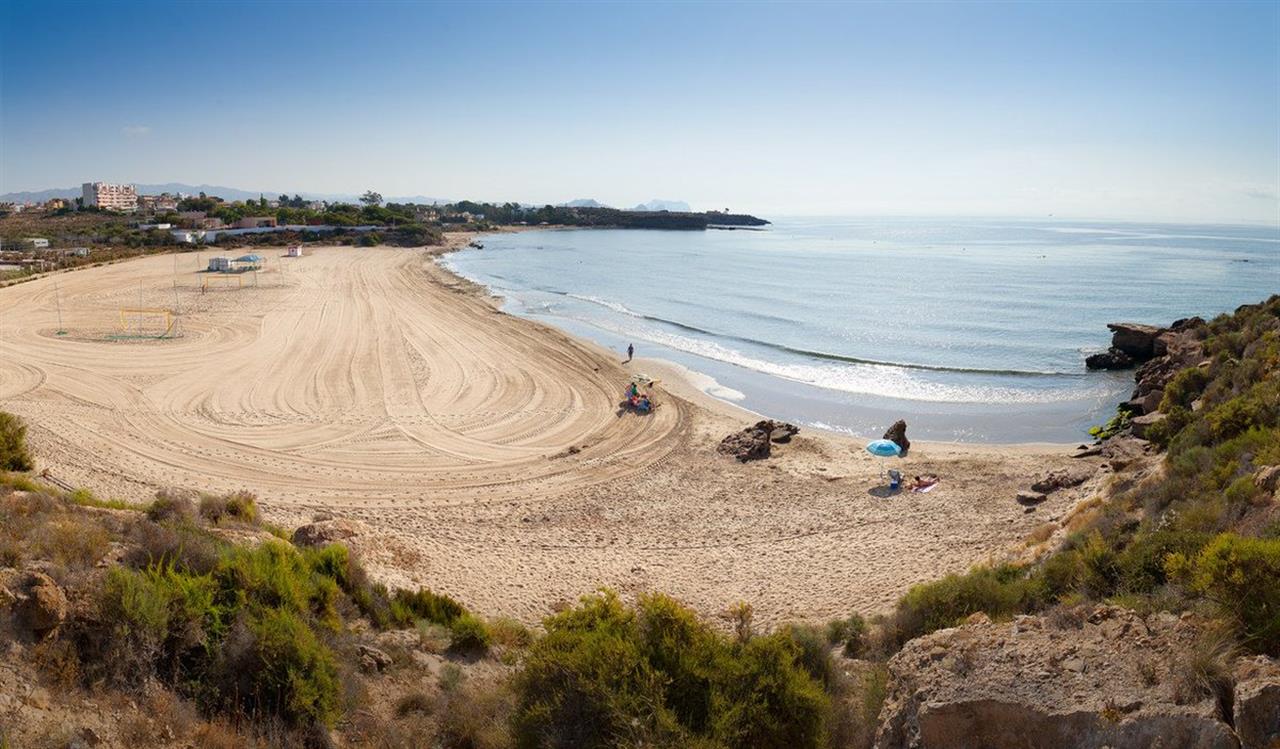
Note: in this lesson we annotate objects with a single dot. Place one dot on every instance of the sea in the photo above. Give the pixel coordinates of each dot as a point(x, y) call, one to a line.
point(970, 330)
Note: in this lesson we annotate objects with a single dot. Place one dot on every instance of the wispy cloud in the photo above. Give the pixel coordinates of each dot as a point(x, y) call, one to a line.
point(1261, 192)
point(136, 131)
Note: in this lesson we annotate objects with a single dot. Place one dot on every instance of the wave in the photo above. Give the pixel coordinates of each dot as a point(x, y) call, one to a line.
point(812, 354)
point(859, 379)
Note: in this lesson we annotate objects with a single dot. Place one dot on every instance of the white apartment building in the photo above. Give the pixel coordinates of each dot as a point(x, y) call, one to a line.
point(110, 197)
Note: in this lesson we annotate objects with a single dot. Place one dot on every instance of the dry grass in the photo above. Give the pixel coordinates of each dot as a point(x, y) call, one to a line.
point(1204, 672)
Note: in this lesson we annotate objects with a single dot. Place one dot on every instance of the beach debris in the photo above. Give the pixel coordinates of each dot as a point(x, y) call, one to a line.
point(1055, 480)
point(897, 434)
point(754, 442)
point(1028, 497)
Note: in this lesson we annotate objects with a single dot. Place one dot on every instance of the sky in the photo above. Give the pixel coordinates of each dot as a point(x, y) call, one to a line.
point(1132, 111)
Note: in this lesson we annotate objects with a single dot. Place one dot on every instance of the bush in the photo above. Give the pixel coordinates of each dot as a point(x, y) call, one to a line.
point(764, 700)
point(406, 607)
point(1241, 576)
point(241, 505)
point(605, 675)
point(998, 591)
point(14, 455)
point(467, 633)
point(851, 633)
point(294, 674)
point(171, 507)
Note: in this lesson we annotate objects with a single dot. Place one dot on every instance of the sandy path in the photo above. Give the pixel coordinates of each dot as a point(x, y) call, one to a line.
point(373, 384)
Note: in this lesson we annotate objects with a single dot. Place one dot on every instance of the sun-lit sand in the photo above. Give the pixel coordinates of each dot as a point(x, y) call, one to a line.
point(374, 385)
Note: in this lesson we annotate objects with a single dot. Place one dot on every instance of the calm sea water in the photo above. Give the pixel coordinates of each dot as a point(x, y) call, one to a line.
point(971, 330)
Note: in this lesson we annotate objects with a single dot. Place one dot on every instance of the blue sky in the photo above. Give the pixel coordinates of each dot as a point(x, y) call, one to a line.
point(1143, 111)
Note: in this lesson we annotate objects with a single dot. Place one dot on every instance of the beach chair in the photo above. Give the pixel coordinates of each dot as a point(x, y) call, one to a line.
point(895, 479)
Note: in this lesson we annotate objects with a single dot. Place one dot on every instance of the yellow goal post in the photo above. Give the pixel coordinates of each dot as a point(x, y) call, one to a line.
point(225, 279)
point(152, 322)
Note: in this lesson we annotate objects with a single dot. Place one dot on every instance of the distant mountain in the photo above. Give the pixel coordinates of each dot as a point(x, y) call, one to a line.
point(584, 203)
point(675, 206)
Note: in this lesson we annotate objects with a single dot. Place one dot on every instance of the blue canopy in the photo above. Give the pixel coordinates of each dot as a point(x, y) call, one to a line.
point(884, 449)
point(249, 259)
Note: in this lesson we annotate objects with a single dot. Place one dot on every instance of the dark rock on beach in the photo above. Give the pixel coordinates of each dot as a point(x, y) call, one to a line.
point(1110, 359)
point(754, 442)
point(897, 434)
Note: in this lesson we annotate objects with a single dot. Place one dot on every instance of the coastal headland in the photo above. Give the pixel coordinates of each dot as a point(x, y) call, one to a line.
point(481, 454)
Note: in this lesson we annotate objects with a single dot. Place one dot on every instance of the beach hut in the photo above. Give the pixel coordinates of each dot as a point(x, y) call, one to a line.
point(219, 264)
point(295, 250)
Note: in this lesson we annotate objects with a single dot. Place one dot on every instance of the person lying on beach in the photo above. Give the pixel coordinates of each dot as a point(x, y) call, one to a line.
point(924, 483)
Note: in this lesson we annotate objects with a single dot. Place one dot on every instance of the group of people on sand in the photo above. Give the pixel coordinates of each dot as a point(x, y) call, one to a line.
point(638, 400)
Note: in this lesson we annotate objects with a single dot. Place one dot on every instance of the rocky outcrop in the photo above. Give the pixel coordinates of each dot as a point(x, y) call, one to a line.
point(1134, 344)
point(327, 532)
point(1135, 340)
point(372, 659)
point(897, 434)
point(1110, 359)
point(1256, 703)
point(1030, 498)
point(1055, 480)
point(1141, 424)
point(1104, 679)
point(43, 605)
point(1267, 478)
point(755, 442)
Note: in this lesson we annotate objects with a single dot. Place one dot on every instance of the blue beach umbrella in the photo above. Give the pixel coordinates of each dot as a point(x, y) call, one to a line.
point(884, 449)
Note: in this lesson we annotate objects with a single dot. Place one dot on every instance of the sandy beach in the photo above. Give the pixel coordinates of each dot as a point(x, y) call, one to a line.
point(485, 455)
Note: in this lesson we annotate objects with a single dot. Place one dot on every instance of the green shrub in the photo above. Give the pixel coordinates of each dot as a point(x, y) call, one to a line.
point(1101, 572)
point(605, 676)
point(294, 674)
point(1241, 576)
point(851, 633)
point(1142, 563)
point(275, 575)
point(763, 700)
point(468, 633)
point(241, 506)
point(14, 455)
point(998, 591)
point(408, 606)
point(1183, 389)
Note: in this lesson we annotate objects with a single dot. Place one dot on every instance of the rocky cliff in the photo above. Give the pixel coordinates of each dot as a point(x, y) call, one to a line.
point(1105, 677)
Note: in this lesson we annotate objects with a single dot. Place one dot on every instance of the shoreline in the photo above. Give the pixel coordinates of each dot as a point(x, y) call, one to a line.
point(482, 454)
point(687, 378)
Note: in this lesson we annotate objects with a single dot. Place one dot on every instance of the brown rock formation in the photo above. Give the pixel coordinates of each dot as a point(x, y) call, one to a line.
point(755, 442)
point(1256, 707)
point(897, 434)
point(327, 532)
point(1106, 681)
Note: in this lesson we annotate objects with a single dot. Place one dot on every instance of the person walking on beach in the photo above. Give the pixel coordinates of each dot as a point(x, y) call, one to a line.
point(631, 351)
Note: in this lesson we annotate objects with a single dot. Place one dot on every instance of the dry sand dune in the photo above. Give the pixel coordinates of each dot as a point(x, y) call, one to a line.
point(374, 385)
